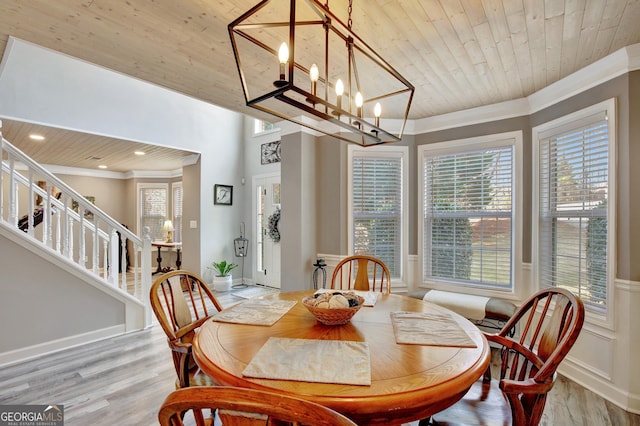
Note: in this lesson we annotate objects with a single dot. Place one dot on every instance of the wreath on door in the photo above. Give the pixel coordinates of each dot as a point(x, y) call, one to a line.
point(272, 226)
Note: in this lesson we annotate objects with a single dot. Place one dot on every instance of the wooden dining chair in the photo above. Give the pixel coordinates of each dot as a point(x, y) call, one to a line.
point(359, 272)
point(544, 329)
point(182, 302)
point(245, 407)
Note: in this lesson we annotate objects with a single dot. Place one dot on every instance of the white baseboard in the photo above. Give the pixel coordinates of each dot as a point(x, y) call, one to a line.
point(600, 386)
point(29, 352)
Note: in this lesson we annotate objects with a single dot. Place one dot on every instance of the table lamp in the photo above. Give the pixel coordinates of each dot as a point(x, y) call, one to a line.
point(168, 228)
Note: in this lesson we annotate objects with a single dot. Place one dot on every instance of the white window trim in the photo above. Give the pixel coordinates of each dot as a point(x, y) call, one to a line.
point(387, 151)
point(146, 185)
point(175, 185)
point(254, 133)
point(609, 106)
point(514, 138)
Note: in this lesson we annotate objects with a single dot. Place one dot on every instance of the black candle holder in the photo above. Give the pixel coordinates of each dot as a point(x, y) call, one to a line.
point(319, 270)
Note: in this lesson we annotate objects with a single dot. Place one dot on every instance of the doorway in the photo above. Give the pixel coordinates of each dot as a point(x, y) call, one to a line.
point(266, 191)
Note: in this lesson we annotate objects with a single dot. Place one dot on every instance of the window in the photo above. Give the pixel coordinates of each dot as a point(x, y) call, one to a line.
point(573, 195)
point(378, 182)
point(153, 209)
point(176, 204)
point(261, 126)
point(468, 211)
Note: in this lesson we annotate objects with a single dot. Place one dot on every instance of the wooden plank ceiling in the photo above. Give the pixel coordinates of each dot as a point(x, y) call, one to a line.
point(85, 151)
point(459, 54)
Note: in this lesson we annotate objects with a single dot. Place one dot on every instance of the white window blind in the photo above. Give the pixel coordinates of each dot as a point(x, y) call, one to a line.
point(377, 209)
point(176, 202)
point(153, 209)
point(574, 189)
point(468, 216)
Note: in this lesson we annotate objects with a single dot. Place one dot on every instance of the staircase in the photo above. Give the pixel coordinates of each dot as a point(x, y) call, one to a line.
point(62, 223)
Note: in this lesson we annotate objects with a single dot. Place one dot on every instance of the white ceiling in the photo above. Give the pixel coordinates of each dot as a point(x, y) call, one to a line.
point(459, 54)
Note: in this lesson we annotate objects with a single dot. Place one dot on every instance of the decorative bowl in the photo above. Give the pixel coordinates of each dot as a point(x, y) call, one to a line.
point(332, 316)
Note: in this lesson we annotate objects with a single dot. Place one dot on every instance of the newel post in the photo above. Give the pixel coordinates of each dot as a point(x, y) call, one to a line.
point(145, 266)
point(114, 258)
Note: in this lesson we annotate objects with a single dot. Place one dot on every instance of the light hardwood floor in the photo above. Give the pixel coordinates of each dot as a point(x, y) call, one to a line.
point(123, 381)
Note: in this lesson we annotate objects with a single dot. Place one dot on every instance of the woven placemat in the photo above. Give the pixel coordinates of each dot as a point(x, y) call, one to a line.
point(306, 360)
point(431, 329)
point(255, 312)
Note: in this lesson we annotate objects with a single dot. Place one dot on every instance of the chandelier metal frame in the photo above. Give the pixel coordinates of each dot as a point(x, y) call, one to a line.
point(337, 115)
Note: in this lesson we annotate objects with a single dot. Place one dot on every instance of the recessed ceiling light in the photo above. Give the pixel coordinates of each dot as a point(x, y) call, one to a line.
point(36, 137)
point(102, 166)
point(139, 152)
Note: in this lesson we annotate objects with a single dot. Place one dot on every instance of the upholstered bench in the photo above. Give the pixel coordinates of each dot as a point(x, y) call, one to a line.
point(486, 312)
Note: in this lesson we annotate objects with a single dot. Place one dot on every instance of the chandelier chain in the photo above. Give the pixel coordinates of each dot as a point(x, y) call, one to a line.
point(349, 22)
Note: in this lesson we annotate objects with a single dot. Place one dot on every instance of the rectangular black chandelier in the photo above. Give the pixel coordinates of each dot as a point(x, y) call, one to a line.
point(301, 63)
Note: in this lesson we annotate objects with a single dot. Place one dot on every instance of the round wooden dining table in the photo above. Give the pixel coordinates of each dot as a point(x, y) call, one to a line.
point(408, 381)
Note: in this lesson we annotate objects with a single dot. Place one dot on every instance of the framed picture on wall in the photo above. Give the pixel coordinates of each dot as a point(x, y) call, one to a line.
point(223, 195)
point(270, 152)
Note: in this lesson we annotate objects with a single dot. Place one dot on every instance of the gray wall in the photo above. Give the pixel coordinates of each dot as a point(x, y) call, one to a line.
point(110, 194)
point(331, 195)
point(629, 189)
point(42, 302)
point(191, 211)
point(299, 200)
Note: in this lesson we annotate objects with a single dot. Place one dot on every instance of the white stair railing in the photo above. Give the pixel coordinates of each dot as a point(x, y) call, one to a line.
point(48, 210)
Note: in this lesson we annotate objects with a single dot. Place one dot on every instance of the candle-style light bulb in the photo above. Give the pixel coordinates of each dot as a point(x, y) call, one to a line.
point(359, 104)
point(283, 57)
point(314, 74)
point(339, 92)
point(377, 111)
point(339, 87)
point(283, 53)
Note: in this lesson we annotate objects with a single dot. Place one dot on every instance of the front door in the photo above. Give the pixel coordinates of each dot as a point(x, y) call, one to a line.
point(267, 197)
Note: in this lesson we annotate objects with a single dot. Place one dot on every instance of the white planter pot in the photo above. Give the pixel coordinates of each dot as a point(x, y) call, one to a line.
point(222, 283)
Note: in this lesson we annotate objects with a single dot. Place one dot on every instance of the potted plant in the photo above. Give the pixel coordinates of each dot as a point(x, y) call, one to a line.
point(222, 279)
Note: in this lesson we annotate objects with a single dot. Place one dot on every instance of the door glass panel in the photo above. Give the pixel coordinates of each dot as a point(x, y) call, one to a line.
point(260, 226)
point(276, 193)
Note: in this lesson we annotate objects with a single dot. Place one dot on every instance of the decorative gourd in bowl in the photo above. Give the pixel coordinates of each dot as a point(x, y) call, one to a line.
point(333, 308)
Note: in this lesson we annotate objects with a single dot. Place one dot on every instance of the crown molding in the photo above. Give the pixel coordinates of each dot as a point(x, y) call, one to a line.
point(105, 174)
point(151, 174)
point(77, 171)
point(190, 160)
point(468, 117)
